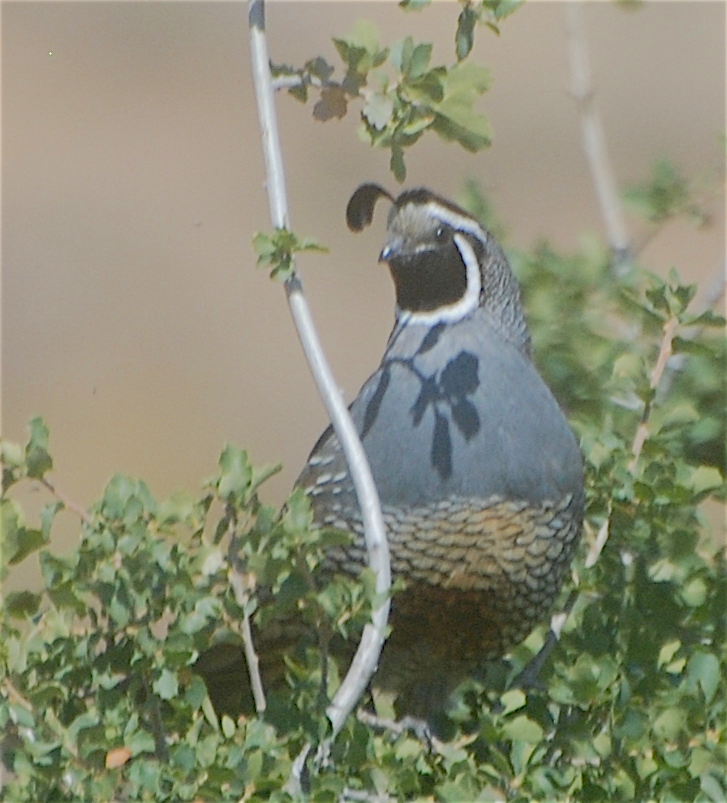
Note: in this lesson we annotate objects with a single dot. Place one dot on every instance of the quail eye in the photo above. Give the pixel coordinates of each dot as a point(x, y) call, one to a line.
point(441, 235)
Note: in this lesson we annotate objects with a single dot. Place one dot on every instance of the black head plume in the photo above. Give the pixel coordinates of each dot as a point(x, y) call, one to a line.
point(360, 209)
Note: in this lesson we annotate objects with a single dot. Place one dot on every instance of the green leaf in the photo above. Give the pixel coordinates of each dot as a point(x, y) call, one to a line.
point(378, 111)
point(694, 593)
point(17, 541)
point(456, 118)
point(668, 651)
point(503, 8)
point(703, 670)
point(669, 724)
point(468, 79)
point(141, 742)
point(235, 473)
point(361, 51)
point(664, 195)
point(365, 35)
point(426, 90)
point(703, 478)
point(37, 458)
point(47, 514)
point(12, 523)
point(12, 456)
point(512, 701)
point(524, 729)
point(419, 61)
point(319, 68)
point(127, 500)
point(166, 685)
point(396, 163)
point(21, 603)
point(180, 507)
point(400, 54)
point(228, 726)
point(465, 35)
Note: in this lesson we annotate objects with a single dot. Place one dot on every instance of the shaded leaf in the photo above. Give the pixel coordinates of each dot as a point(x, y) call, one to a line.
point(465, 35)
point(37, 458)
point(332, 103)
point(21, 603)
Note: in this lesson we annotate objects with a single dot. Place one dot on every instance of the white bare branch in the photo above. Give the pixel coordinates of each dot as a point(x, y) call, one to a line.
point(367, 655)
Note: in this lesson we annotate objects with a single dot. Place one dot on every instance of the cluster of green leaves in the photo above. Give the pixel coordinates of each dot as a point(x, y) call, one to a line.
point(277, 251)
point(101, 693)
point(666, 194)
point(411, 97)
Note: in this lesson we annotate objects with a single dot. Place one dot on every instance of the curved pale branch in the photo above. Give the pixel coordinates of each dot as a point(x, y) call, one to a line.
point(369, 649)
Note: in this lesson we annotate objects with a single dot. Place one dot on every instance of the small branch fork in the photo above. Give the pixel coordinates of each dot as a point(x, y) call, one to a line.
point(367, 655)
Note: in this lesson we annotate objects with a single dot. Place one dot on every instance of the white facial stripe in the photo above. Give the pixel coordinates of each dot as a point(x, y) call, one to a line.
point(457, 222)
point(471, 298)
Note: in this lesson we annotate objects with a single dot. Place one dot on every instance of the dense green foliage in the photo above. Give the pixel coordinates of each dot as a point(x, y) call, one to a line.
point(99, 700)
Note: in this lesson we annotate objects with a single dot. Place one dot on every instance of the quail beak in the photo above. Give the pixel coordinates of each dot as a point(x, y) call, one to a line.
point(386, 253)
point(392, 249)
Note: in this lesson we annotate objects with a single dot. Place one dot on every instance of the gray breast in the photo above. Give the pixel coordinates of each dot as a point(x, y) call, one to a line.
point(457, 411)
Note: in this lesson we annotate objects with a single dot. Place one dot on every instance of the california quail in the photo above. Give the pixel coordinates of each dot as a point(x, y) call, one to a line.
point(479, 475)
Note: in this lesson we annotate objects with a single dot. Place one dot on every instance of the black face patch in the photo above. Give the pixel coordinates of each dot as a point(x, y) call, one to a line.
point(429, 279)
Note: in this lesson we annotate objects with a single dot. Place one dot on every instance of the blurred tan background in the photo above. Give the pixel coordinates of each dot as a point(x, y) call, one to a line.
point(134, 318)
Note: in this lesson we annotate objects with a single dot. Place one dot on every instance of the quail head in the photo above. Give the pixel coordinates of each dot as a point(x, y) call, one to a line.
point(479, 475)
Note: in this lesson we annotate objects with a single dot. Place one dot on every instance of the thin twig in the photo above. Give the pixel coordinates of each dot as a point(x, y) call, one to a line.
point(529, 675)
point(408, 724)
point(594, 142)
point(642, 432)
point(665, 351)
point(367, 655)
point(293, 81)
point(599, 542)
point(68, 504)
point(161, 749)
point(241, 589)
